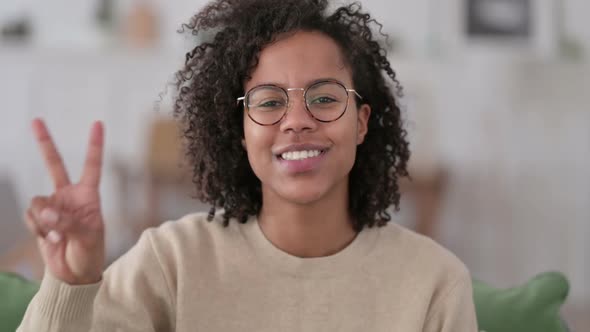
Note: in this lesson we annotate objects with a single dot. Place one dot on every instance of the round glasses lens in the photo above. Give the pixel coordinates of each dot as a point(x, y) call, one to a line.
point(266, 104)
point(326, 100)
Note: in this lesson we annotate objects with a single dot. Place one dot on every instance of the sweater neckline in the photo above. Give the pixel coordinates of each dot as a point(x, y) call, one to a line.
point(348, 259)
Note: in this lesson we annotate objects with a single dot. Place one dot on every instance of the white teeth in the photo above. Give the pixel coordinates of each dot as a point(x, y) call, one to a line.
point(299, 155)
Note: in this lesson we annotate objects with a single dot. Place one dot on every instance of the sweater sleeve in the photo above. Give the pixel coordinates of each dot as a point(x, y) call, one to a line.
point(454, 310)
point(134, 295)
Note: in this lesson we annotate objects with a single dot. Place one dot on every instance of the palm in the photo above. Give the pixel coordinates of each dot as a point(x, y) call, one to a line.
point(79, 256)
point(78, 252)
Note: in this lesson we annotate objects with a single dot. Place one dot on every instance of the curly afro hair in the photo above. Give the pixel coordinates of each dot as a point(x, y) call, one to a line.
point(213, 76)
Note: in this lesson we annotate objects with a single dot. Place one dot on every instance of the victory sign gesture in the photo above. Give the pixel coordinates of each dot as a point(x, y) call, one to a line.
point(68, 223)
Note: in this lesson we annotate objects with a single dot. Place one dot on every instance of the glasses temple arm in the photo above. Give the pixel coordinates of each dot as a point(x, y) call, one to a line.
point(356, 93)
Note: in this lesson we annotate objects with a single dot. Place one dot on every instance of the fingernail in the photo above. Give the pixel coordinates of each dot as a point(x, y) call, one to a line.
point(53, 236)
point(49, 215)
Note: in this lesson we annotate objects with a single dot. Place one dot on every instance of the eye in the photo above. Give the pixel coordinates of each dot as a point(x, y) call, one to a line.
point(271, 104)
point(323, 100)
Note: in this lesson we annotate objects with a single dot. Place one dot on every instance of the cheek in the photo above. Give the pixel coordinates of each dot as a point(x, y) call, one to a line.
point(258, 142)
point(344, 136)
point(349, 130)
point(350, 141)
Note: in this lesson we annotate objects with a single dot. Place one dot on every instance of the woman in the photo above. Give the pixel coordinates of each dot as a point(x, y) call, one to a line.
point(293, 131)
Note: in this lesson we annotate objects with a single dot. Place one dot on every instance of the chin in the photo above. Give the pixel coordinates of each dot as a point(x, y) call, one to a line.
point(301, 196)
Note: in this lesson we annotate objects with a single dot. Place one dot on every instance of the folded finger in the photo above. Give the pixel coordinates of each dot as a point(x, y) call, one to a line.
point(48, 217)
point(32, 224)
point(55, 220)
point(38, 203)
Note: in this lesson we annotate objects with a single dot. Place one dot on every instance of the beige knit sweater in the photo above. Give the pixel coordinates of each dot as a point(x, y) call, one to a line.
point(194, 275)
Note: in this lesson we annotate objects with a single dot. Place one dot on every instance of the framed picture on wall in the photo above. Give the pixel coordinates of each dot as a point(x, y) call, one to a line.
point(529, 27)
point(498, 19)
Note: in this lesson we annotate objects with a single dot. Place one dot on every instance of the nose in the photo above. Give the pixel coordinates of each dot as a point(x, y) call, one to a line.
point(297, 118)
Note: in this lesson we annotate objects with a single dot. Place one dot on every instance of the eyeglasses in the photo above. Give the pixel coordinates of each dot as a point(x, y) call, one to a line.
point(325, 101)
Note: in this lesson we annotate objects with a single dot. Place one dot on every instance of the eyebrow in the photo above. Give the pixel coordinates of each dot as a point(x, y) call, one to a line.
point(306, 85)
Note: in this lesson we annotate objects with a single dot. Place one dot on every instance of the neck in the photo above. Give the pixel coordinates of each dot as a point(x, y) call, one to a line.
point(317, 229)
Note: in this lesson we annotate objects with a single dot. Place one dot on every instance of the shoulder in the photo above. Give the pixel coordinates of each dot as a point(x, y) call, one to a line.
point(193, 227)
point(421, 258)
point(194, 238)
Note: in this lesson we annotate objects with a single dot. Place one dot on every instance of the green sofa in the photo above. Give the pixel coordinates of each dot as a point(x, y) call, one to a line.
point(15, 294)
point(531, 307)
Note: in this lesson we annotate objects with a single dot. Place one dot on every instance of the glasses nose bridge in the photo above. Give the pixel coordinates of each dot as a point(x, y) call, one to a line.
point(290, 100)
point(291, 104)
point(295, 89)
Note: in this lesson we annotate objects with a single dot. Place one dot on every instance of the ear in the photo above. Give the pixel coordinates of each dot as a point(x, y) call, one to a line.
point(364, 113)
point(244, 143)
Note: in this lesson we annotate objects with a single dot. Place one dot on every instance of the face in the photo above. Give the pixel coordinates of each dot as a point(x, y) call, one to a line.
point(276, 152)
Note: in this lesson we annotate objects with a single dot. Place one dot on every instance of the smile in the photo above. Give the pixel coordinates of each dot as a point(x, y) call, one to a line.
point(300, 155)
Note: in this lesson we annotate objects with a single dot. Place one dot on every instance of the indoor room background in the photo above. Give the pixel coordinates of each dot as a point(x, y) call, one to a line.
point(496, 105)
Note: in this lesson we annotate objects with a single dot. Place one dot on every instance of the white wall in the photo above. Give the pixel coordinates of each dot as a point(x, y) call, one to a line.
point(517, 141)
point(415, 22)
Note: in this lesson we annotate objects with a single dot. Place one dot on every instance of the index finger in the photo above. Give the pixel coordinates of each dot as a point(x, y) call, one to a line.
point(93, 163)
point(52, 158)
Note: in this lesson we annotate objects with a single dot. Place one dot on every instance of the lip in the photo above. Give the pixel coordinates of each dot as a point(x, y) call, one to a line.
point(304, 165)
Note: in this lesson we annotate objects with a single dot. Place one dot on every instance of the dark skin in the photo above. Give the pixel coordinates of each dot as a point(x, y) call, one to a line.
point(305, 214)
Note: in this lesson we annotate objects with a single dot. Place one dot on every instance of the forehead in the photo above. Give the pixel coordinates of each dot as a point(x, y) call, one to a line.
point(299, 59)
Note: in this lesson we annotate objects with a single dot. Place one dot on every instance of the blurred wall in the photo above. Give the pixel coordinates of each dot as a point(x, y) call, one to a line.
point(416, 22)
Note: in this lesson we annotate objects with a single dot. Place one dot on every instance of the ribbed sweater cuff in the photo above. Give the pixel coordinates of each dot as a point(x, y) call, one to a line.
point(62, 302)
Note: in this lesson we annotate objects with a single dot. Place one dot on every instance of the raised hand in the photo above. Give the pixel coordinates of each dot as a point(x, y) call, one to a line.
point(69, 223)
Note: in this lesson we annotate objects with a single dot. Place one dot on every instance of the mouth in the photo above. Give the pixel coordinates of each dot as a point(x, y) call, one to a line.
point(301, 155)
